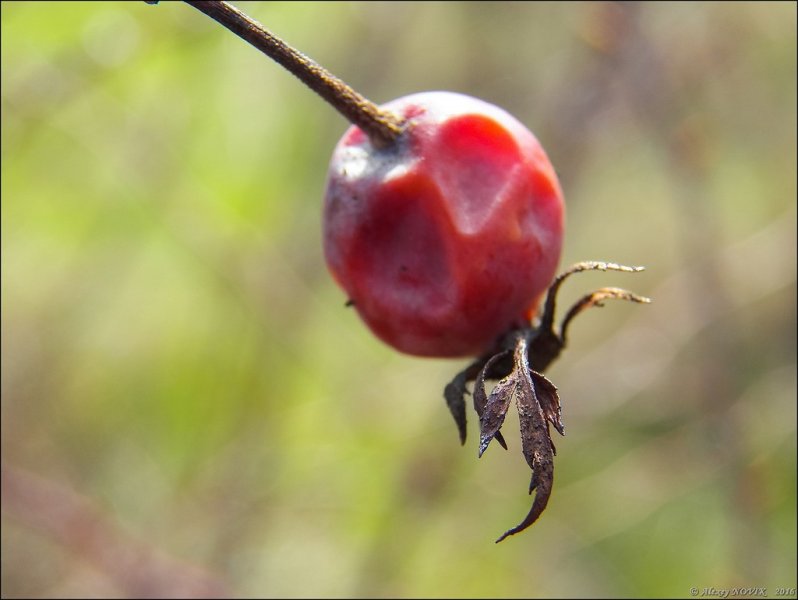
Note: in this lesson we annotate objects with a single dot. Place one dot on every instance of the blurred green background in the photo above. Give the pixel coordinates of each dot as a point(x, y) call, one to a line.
point(189, 409)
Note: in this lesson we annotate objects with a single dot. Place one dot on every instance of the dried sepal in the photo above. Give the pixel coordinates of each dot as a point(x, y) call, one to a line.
point(491, 410)
point(538, 402)
point(536, 442)
point(596, 298)
point(454, 393)
point(456, 390)
point(547, 318)
point(549, 401)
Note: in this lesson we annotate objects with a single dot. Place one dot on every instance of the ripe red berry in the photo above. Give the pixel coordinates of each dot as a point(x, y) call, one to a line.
point(449, 236)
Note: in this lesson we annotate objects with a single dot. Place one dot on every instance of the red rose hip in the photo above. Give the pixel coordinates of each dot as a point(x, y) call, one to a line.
point(449, 236)
point(443, 222)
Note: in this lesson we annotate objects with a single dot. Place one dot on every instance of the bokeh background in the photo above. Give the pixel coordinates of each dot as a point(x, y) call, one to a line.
point(189, 409)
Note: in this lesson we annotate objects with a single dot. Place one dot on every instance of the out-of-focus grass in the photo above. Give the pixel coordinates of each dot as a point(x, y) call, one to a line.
point(175, 352)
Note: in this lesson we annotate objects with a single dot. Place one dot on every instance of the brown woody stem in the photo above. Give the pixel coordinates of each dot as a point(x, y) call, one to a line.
point(381, 127)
